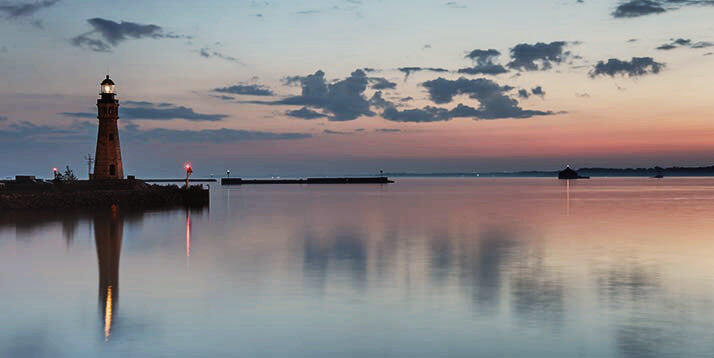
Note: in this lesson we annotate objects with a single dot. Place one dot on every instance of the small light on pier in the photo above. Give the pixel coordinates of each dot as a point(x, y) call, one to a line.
point(189, 171)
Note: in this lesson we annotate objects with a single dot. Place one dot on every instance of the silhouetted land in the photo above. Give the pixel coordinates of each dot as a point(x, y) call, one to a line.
point(591, 172)
point(97, 194)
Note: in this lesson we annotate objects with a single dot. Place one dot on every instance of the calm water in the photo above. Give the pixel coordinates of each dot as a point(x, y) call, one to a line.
point(420, 268)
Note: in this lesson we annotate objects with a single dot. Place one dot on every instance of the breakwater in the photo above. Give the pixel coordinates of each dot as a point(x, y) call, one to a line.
point(179, 180)
point(346, 180)
point(134, 194)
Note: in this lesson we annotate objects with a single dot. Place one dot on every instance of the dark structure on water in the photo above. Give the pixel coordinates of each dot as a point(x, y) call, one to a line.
point(568, 173)
point(346, 180)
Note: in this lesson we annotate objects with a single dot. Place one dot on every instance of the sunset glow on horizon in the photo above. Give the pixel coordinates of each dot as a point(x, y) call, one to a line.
point(344, 87)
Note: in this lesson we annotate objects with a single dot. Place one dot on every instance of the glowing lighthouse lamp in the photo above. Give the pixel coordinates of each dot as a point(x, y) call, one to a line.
point(189, 171)
point(107, 86)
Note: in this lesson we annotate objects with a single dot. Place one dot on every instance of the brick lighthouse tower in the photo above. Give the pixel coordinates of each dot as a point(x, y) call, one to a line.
point(107, 163)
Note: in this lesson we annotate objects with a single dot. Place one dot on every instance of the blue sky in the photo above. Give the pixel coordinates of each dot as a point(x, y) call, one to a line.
point(168, 59)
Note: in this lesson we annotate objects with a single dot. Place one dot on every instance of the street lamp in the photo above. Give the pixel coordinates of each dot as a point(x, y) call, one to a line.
point(228, 173)
point(55, 172)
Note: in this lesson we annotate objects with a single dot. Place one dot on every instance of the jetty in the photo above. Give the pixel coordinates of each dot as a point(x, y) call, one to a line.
point(29, 193)
point(179, 180)
point(343, 180)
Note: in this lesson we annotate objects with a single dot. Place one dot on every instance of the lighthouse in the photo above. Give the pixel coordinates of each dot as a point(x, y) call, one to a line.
point(108, 163)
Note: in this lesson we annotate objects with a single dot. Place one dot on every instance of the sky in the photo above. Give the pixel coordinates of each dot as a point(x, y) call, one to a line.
point(287, 88)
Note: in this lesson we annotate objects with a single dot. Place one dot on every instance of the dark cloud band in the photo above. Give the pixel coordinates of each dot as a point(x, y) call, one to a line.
point(132, 110)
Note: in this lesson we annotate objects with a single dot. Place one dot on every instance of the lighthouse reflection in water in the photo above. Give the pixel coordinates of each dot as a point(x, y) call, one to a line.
point(108, 231)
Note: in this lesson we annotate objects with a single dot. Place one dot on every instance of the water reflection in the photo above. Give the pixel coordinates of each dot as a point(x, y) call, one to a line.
point(108, 232)
point(482, 262)
point(622, 270)
point(538, 291)
point(343, 251)
point(188, 233)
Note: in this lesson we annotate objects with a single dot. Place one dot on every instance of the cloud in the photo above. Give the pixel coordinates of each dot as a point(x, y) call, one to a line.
point(380, 83)
point(535, 91)
point(637, 66)
point(636, 8)
point(493, 99)
point(426, 114)
point(3, 118)
point(483, 56)
point(244, 89)
point(494, 103)
point(680, 42)
point(223, 135)
point(702, 44)
point(133, 110)
point(86, 132)
point(442, 90)
point(208, 53)
point(223, 97)
point(492, 69)
point(90, 44)
point(437, 114)
point(343, 100)
point(327, 131)
point(305, 113)
point(455, 5)
point(484, 63)
point(538, 57)
point(106, 34)
point(23, 9)
point(409, 70)
point(378, 101)
point(24, 132)
point(387, 130)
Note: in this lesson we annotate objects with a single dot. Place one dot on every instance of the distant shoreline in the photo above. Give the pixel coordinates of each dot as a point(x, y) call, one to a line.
point(591, 172)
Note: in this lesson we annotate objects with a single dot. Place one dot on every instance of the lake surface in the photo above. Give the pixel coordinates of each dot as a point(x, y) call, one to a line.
point(419, 268)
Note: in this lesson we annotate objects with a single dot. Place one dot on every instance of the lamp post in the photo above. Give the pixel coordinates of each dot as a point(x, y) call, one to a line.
point(189, 171)
point(55, 172)
point(228, 173)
